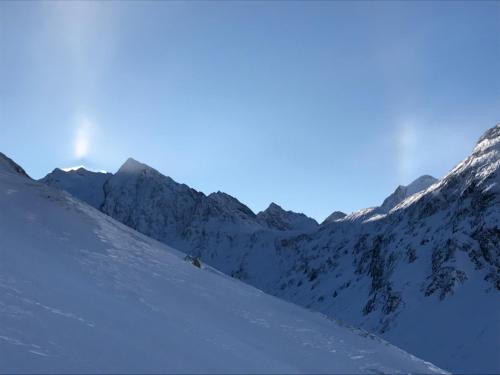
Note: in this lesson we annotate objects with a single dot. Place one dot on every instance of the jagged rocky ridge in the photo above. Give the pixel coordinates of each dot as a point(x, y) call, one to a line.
point(422, 269)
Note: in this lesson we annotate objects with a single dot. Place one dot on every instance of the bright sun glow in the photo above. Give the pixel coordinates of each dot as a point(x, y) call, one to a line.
point(82, 139)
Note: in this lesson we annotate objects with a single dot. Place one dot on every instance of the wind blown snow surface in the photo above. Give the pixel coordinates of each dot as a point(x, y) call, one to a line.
point(82, 293)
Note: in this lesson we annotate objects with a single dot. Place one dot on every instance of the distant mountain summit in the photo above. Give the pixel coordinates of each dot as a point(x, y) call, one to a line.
point(423, 264)
point(276, 217)
point(334, 216)
point(133, 166)
point(82, 183)
point(371, 213)
point(403, 192)
point(231, 206)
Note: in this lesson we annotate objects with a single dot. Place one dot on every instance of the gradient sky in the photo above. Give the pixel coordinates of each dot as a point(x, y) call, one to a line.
point(317, 106)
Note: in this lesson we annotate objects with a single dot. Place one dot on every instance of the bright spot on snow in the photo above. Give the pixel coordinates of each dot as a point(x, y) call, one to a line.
point(77, 167)
point(82, 138)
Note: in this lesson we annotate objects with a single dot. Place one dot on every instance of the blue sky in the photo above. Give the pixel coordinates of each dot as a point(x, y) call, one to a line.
point(317, 106)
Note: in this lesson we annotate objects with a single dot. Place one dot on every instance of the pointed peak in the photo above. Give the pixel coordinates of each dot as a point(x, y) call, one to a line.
point(402, 192)
point(278, 218)
point(424, 177)
point(421, 183)
point(133, 169)
point(336, 215)
point(490, 138)
point(221, 197)
point(132, 162)
point(219, 193)
point(491, 133)
point(226, 201)
point(133, 166)
point(274, 207)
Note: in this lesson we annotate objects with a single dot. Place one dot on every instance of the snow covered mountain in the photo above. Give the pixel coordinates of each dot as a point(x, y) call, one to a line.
point(400, 194)
point(336, 215)
point(403, 192)
point(87, 185)
point(9, 165)
point(422, 270)
point(276, 217)
point(210, 227)
point(425, 276)
point(82, 293)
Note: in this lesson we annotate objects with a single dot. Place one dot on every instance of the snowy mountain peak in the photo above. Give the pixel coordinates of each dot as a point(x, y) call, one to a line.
point(9, 165)
point(133, 166)
point(491, 138)
point(222, 197)
point(421, 183)
point(132, 169)
point(228, 201)
point(273, 207)
point(402, 192)
point(275, 217)
point(81, 183)
point(336, 215)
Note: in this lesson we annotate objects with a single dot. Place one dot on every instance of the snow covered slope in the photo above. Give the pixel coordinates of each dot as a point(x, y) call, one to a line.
point(218, 228)
point(9, 165)
point(84, 184)
point(336, 215)
point(422, 270)
point(426, 276)
point(403, 192)
point(82, 293)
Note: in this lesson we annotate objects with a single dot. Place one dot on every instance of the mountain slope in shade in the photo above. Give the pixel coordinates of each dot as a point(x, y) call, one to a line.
point(86, 185)
point(276, 217)
point(400, 194)
point(426, 276)
point(334, 216)
point(403, 192)
point(82, 293)
point(426, 266)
